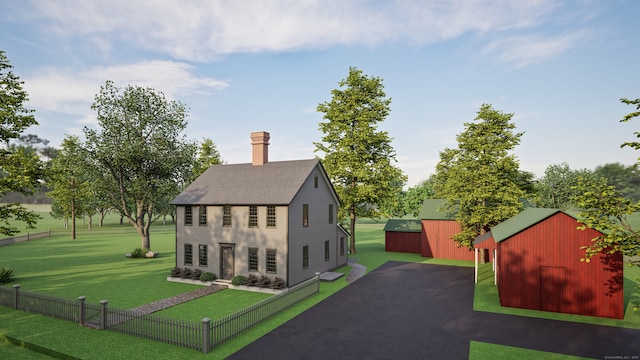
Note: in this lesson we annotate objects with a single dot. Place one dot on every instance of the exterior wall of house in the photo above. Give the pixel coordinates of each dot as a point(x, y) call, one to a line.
point(437, 242)
point(398, 241)
point(540, 268)
point(318, 230)
point(239, 234)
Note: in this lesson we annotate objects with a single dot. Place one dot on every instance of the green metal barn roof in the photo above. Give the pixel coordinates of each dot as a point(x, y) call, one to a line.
point(523, 220)
point(403, 225)
point(430, 210)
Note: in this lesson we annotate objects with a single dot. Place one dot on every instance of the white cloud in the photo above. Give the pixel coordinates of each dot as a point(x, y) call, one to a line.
point(72, 92)
point(524, 50)
point(206, 29)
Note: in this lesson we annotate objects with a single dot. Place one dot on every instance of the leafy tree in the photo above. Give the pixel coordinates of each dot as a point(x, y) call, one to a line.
point(33, 144)
point(392, 206)
point(19, 170)
point(413, 198)
point(606, 210)
point(71, 181)
point(480, 179)
point(636, 103)
point(207, 155)
point(626, 179)
point(557, 187)
point(358, 156)
point(142, 150)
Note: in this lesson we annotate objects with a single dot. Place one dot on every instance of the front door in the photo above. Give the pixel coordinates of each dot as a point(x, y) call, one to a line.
point(227, 260)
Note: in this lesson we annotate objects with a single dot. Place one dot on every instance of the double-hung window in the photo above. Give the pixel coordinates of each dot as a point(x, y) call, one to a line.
point(305, 257)
point(188, 254)
point(253, 259)
point(271, 261)
point(326, 251)
point(271, 216)
point(253, 216)
point(202, 255)
point(226, 215)
point(202, 215)
point(305, 215)
point(188, 215)
point(330, 213)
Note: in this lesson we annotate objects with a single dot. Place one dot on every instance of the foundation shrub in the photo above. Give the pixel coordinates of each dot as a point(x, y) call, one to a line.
point(238, 280)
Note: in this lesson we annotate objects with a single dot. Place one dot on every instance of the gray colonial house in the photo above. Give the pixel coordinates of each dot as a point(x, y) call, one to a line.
point(277, 219)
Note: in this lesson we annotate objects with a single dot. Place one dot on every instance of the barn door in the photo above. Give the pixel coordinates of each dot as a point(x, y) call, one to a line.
point(553, 284)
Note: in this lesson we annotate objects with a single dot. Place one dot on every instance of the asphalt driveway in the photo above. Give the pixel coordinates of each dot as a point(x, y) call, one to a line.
point(422, 311)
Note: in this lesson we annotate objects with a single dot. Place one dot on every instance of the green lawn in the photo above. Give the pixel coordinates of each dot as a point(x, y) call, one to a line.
point(94, 265)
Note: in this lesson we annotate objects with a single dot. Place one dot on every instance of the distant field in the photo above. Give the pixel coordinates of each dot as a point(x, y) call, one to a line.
point(57, 226)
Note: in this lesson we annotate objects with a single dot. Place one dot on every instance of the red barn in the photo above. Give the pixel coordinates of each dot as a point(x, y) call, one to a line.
point(538, 266)
point(438, 229)
point(402, 235)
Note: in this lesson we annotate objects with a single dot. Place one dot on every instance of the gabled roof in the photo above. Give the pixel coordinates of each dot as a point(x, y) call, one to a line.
point(520, 222)
point(274, 183)
point(403, 225)
point(430, 211)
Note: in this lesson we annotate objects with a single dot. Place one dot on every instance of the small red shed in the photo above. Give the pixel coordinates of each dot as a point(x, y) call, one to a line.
point(402, 235)
point(538, 266)
point(438, 229)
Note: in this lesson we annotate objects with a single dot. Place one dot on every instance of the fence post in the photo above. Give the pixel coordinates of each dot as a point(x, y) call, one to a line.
point(206, 335)
point(82, 309)
point(16, 296)
point(103, 315)
point(317, 282)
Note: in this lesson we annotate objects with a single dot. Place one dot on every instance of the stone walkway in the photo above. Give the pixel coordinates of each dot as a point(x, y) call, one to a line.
point(175, 300)
point(357, 271)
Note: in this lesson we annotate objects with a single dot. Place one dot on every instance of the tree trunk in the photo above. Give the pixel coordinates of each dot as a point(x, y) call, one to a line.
point(146, 241)
point(352, 228)
point(90, 221)
point(73, 217)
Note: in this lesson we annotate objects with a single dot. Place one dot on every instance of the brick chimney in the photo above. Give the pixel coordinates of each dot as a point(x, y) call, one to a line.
point(260, 147)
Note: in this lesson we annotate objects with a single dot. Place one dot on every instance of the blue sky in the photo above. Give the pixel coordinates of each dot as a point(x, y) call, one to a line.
point(241, 66)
